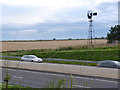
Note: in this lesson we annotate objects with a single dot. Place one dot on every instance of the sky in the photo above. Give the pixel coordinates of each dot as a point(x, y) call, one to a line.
point(60, 19)
point(119, 12)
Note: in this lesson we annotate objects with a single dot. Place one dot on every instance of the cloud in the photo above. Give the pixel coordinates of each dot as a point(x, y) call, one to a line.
point(56, 18)
point(19, 34)
point(27, 31)
point(54, 3)
point(119, 13)
point(107, 13)
point(35, 11)
point(53, 30)
point(44, 3)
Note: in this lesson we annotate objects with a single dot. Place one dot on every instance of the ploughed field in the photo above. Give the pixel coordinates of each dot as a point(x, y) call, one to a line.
point(11, 46)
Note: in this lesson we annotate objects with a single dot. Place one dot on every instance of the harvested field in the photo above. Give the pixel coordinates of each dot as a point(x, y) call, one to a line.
point(9, 46)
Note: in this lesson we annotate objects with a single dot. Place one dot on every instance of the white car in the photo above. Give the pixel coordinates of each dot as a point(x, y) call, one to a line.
point(31, 58)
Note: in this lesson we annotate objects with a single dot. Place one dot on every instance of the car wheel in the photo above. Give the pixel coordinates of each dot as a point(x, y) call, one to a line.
point(31, 60)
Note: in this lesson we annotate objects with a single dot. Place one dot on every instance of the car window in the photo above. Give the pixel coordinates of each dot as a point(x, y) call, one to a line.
point(33, 57)
point(26, 56)
point(119, 63)
point(111, 64)
point(104, 63)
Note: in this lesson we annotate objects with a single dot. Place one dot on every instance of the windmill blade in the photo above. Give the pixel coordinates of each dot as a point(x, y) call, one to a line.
point(95, 13)
point(89, 14)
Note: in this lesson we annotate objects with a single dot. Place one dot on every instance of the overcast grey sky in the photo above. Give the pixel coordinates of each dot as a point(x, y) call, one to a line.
point(60, 19)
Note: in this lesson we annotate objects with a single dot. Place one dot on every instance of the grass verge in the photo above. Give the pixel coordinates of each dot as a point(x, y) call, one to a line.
point(94, 53)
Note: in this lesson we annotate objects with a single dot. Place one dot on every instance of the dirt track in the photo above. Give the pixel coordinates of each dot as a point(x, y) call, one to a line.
point(8, 46)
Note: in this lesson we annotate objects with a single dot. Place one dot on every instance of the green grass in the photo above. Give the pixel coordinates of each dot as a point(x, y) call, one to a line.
point(75, 53)
point(61, 62)
point(10, 86)
point(65, 62)
point(94, 54)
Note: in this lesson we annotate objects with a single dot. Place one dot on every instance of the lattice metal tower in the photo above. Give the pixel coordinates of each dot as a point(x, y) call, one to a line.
point(91, 29)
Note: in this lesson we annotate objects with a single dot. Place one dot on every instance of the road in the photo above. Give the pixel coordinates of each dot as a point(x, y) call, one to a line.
point(64, 68)
point(38, 79)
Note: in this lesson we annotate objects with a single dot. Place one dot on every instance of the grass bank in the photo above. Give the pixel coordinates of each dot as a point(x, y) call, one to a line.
point(94, 53)
point(84, 53)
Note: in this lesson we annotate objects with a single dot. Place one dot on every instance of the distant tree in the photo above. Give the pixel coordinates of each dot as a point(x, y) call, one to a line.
point(102, 37)
point(69, 38)
point(114, 34)
point(54, 38)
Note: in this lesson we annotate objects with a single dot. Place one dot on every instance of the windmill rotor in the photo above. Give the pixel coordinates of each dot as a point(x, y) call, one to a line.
point(90, 14)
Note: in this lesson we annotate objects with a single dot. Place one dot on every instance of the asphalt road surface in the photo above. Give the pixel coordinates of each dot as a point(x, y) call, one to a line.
point(39, 79)
point(63, 68)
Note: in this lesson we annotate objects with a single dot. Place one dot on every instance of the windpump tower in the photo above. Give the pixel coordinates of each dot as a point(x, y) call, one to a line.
point(90, 14)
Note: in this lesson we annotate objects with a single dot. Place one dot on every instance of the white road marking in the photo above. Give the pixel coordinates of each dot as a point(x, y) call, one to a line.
point(105, 80)
point(31, 72)
point(80, 86)
point(83, 78)
point(97, 79)
point(24, 71)
point(73, 76)
point(42, 73)
point(17, 77)
point(12, 70)
point(55, 74)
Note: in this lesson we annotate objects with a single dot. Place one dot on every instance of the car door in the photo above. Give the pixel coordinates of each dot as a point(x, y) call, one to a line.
point(104, 64)
point(28, 58)
point(112, 65)
point(32, 58)
point(25, 57)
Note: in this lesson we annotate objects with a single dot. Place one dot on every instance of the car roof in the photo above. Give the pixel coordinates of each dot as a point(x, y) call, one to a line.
point(110, 61)
point(29, 55)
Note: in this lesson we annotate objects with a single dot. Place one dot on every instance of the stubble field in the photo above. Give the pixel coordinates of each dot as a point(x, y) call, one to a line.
point(10, 46)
